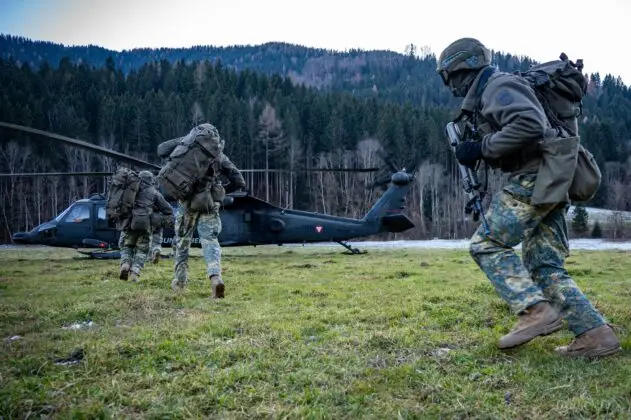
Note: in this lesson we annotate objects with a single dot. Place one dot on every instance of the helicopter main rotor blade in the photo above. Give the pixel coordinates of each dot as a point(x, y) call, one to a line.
point(84, 145)
point(312, 170)
point(37, 174)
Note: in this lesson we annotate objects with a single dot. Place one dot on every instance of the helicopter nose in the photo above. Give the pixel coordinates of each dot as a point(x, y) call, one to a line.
point(21, 237)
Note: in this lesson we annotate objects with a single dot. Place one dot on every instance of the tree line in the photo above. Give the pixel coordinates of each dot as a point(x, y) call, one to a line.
point(269, 121)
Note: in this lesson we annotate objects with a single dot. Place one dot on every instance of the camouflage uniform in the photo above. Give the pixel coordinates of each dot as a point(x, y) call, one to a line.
point(156, 240)
point(135, 244)
point(510, 122)
point(542, 276)
point(134, 250)
point(207, 223)
point(155, 243)
point(164, 218)
point(208, 227)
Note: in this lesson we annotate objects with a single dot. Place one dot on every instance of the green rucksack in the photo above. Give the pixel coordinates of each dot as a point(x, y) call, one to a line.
point(560, 87)
point(122, 194)
point(189, 161)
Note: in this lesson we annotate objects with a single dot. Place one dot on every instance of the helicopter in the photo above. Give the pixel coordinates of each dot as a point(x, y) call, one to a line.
point(247, 220)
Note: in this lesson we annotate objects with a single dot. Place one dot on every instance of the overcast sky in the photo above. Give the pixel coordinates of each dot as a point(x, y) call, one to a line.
point(597, 31)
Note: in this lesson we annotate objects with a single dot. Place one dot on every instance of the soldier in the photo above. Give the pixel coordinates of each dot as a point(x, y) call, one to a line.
point(156, 244)
point(158, 224)
point(207, 222)
point(134, 240)
point(510, 122)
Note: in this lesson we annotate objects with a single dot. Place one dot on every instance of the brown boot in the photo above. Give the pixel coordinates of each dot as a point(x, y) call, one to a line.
point(124, 273)
point(217, 286)
point(155, 257)
point(596, 342)
point(539, 319)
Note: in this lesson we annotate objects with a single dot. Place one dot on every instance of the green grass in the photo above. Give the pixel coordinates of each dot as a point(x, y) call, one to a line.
point(302, 333)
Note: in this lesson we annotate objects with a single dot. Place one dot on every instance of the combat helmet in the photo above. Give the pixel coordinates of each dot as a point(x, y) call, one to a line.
point(146, 176)
point(210, 131)
point(462, 54)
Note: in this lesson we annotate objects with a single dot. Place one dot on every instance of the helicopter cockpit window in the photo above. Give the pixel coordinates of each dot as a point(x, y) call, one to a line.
point(79, 213)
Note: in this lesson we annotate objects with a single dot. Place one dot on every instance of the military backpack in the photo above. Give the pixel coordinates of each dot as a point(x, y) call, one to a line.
point(143, 208)
point(122, 194)
point(560, 87)
point(189, 161)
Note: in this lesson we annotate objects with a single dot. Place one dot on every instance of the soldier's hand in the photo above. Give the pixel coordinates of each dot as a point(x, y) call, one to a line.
point(468, 153)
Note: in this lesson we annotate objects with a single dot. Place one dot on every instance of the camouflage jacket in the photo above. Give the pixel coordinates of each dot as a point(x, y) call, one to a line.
point(510, 120)
point(223, 166)
point(149, 199)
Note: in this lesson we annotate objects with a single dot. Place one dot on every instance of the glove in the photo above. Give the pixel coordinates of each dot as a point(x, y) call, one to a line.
point(468, 153)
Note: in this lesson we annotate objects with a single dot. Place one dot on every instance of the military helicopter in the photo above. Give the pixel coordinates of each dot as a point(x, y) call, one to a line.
point(246, 219)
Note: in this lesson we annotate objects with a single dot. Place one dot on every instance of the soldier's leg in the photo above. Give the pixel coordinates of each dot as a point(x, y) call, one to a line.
point(185, 221)
point(127, 244)
point(209, 228)
point(156, 245)
point(140, 254)
point(121, 239)
point(545, 254)
point(512, 219)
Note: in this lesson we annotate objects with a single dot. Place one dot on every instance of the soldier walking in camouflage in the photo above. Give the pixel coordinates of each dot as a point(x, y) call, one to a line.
point(511, 121)
point(159, 220)
point(201, 212)
point(156, 244)
point(136, 231)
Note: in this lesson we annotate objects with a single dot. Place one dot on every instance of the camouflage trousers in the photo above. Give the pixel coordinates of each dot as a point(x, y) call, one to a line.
point(208, 227)
point(155, 243)
point(134, 246)
point(541, 276)
point(156, 240)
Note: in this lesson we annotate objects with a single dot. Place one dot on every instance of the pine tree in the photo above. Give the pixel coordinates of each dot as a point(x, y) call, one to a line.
point(597, 231)
point(579, 221)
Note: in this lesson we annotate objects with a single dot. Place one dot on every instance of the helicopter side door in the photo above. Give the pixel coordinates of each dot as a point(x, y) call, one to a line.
point(75, 226)
point(104, 230)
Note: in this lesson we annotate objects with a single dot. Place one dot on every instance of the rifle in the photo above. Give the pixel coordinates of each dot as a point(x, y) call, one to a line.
point(470, 182)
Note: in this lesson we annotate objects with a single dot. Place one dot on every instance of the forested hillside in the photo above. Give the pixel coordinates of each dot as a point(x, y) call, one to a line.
point(279, 106)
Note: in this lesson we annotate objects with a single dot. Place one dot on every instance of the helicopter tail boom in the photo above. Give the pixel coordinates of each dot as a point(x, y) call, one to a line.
point(388, 210)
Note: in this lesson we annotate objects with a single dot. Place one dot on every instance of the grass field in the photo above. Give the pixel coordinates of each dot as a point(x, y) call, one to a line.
point(302, 333)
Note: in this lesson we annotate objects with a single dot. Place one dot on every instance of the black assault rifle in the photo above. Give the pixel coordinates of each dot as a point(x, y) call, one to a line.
point(470, 182)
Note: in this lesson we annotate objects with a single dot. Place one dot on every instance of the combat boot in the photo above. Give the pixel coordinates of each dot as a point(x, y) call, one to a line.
point(124, 273)
point(135, 277)
point(217, 286)
point(539, 319)
point(155, 257)
point(177, 286)
point(597, 342)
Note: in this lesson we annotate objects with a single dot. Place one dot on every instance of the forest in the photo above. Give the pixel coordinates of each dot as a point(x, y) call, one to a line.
point(278, 106)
